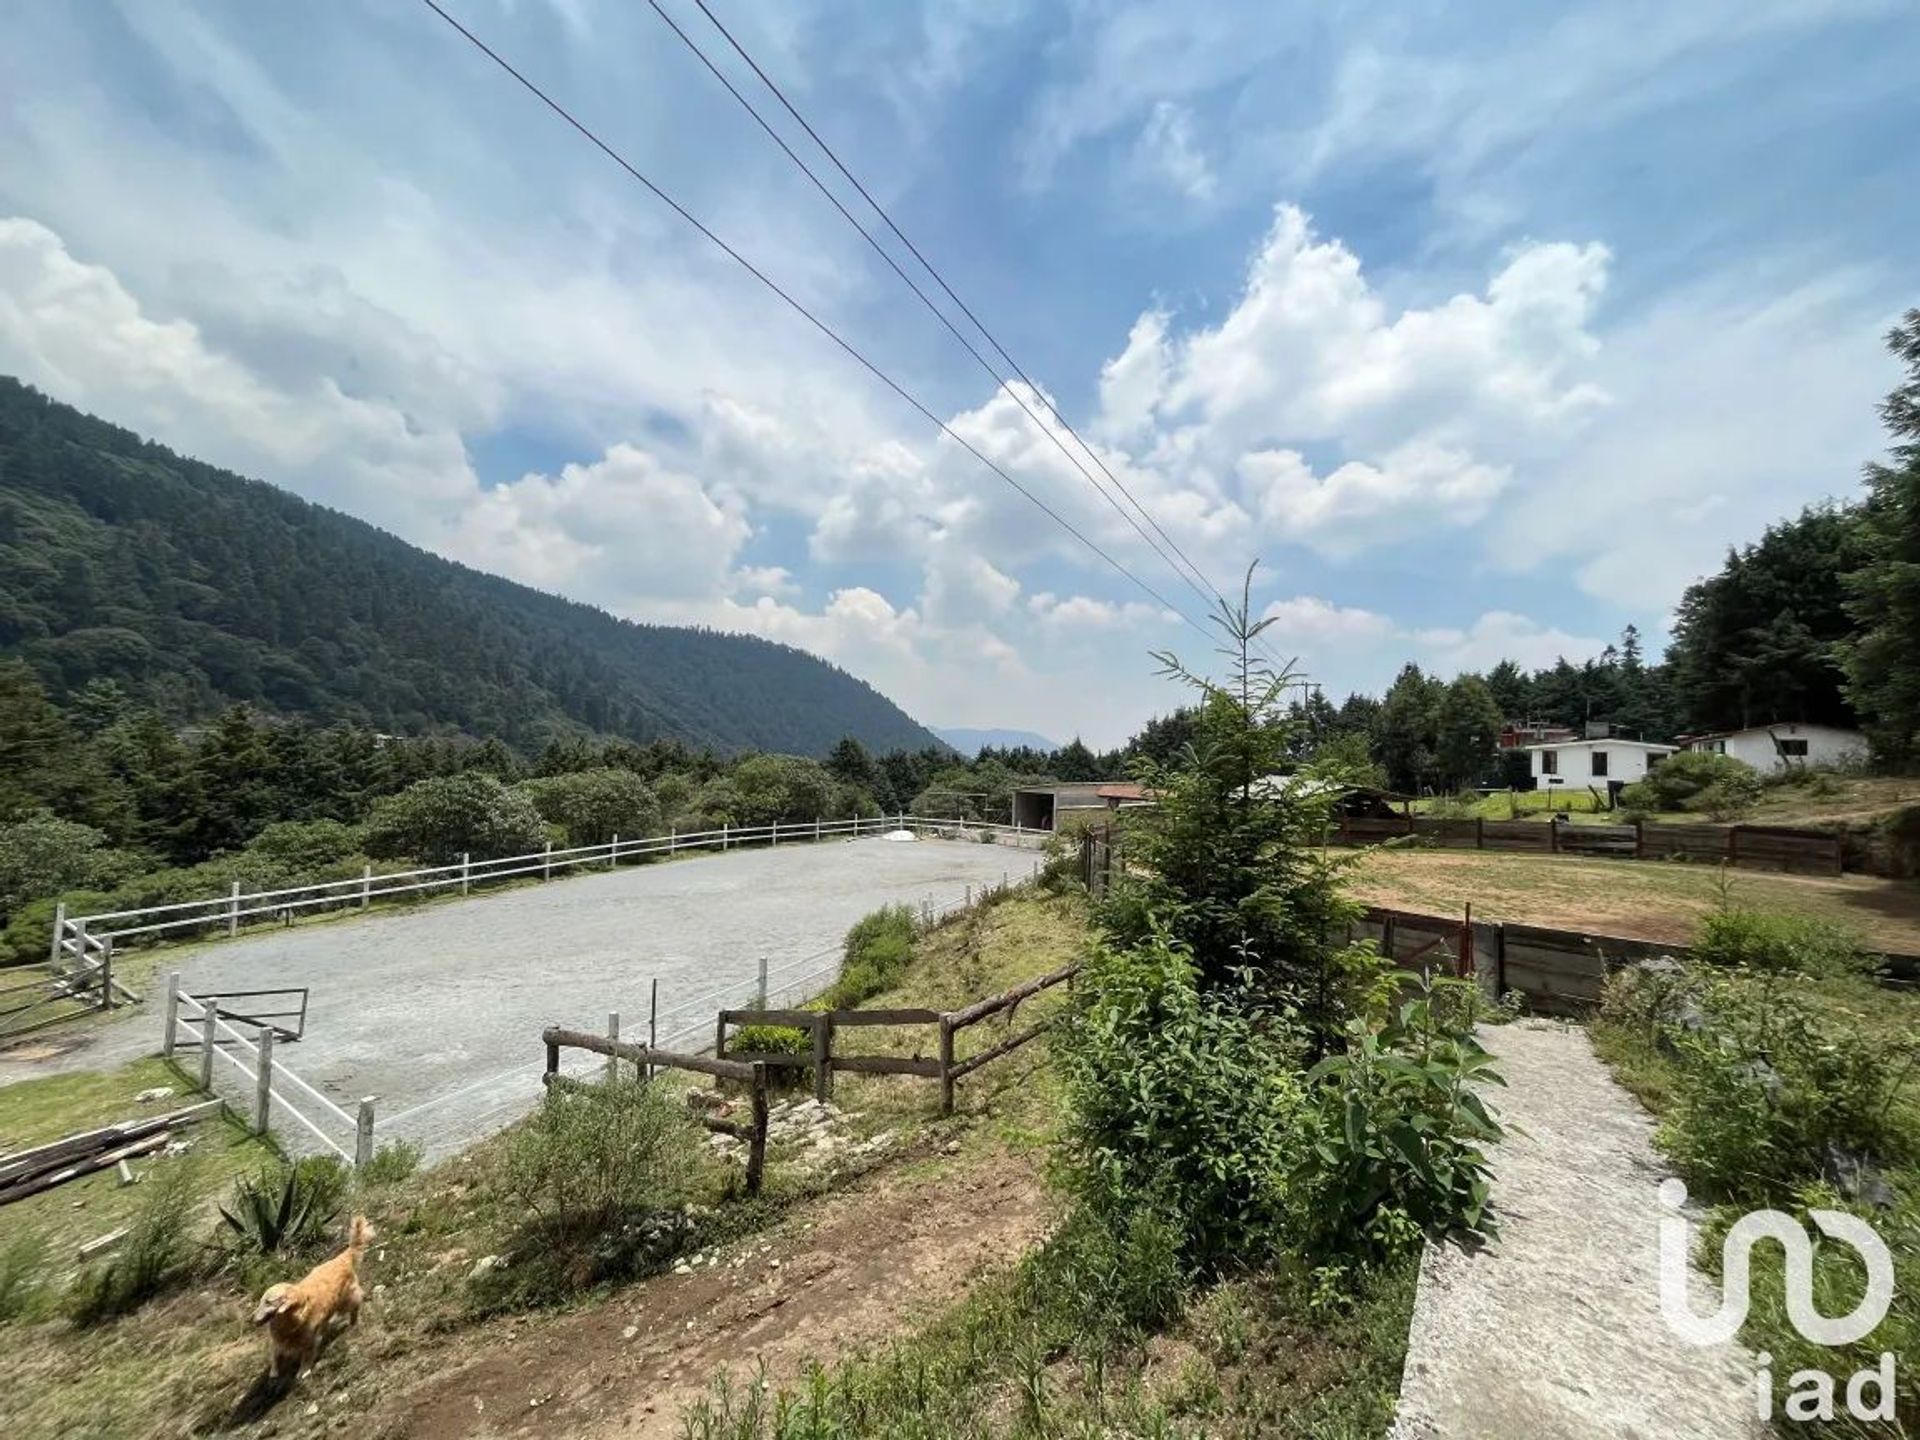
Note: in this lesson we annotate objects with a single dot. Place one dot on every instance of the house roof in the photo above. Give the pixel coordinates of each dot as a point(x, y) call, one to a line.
point(1770, 728)
point(1615, 744)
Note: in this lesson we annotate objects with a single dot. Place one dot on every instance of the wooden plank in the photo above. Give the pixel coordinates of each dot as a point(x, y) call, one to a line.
point(974, 1062)
point(979, 1010)
point(779, 1059)
point(843, 1019)
point(23, 1162)
point(887, 1065)
point(556, 1036)
point(793, 1019)
point(85, 1165)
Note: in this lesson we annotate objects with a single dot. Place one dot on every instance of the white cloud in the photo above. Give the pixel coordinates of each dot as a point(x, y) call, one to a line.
point(1359, 505)
point(1308, 621)
point(1168, 154)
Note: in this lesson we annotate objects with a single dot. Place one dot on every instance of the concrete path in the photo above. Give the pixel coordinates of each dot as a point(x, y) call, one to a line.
point(1554, 1331)
point(438, 1010)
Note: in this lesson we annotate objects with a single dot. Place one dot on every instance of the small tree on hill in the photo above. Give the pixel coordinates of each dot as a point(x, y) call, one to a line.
point(440, 819)
point(1469, 732)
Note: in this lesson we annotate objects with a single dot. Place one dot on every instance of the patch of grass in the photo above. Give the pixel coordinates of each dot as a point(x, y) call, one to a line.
point(1646, 899)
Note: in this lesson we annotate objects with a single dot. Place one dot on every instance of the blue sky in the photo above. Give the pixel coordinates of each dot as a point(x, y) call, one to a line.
point(1485, 330)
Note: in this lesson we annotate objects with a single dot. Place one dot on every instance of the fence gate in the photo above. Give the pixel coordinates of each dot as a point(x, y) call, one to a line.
point(1096, 861)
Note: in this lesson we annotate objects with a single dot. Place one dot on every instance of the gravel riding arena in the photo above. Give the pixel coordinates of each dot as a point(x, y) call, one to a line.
point(437, 1010)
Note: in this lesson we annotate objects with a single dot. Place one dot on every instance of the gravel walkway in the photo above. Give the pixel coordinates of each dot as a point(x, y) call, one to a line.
point(1554, 1331)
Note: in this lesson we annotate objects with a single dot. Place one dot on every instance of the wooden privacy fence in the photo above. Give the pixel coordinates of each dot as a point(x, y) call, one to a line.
point(646, 1060)
point(1558, 971)
point(823, 1025)
point(1760, 847)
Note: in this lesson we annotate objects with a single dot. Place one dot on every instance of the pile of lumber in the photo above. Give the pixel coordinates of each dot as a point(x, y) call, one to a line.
point(28, 1172)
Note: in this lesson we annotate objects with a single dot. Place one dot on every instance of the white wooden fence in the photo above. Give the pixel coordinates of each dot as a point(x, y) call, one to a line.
point(212, 1036)
point(85, 935)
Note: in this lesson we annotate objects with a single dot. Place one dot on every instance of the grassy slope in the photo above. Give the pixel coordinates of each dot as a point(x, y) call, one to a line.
point(1646, 899)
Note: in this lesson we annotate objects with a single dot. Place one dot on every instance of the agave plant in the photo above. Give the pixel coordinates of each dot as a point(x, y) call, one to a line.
point(285, 1207)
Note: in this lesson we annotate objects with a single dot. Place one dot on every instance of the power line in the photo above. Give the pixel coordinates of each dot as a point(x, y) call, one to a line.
point(1210, 592)
point(1206, 594)
point(802, 310)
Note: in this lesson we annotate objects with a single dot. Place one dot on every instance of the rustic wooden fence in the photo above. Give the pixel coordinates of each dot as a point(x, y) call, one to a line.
point(1558, 971)
point(824, 1025)
point(647, 1060)
point(1760, 847)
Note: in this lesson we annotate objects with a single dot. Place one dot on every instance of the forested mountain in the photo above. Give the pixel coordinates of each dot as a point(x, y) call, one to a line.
point(195, 588)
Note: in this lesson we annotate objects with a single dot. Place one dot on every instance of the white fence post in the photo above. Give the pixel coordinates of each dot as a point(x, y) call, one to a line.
point(723, 835)
point(363, 1135)
point(673, 837)
point(776, 834)
point(816, 829)
point(546, 862)
point(366, 885)
point(613, 1033)
point(209, 1017)
point(613, 853)
point(466, 870)
point(233, 910)
point(263, 1083)
point(173, 1012)
point(763, 984)
point(59, 933)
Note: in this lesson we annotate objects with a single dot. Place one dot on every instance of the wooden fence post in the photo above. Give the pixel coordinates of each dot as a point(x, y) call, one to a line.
point(263, 1083)
point(1639, 839)
point(1733, 844)
point(823, 1057)
point(209, 1017)
point(762, 992)
point(1553, 829)
point(173, 1012)
point(720, 1036)
point(1479, 832)
point(613, 1034)
point(653, 1028)
point(233, 910)
point(363, 1134)
point(1464, 967)
point(366, 885)
point(466, 871)
point(1386, 938)
point(946, 1064)
point(757, 1140)
point(553, 1062)
point(59, 934)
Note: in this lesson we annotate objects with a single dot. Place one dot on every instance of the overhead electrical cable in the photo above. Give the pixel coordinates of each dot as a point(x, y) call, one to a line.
point(808, 315)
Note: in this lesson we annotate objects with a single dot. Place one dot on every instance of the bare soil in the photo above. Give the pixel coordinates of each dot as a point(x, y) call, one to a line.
point(851, 1269)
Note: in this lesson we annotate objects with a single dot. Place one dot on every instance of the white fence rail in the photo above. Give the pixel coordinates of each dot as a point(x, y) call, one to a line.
point(94, 934)
point(273, 1083)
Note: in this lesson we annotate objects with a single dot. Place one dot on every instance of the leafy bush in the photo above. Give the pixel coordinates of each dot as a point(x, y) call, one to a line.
point(1732, 938)
point(1695, 780)
point(391, 1163)
point(593, 806)
point(1395, 1149)
point(302, 847)
point(878, 948)
point(593, 1158)
point(1186, 1107)
point(438, 820)
point(786, 788)
point(772, 1040)
point(155, 1254)
point(41, 856)
point(286, 1208)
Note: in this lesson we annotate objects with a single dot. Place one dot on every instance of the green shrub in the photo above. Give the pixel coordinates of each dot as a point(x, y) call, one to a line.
point(594, 1157)
point(1681, 782)
point(772, 1040)
point(1765, 1091)
point(1395, 1151)
point(21, 1263)
point(878, 949)
point(593, 806)
point(436, 821)
point(286, 1208)
point(156, 1253)
point(391, 1163)
point(303, 847)
point(1185, 1110)
point(1732, 938)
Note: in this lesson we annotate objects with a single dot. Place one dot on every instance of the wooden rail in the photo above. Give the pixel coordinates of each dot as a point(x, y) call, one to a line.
point(822, 1025)
point(646, 1060)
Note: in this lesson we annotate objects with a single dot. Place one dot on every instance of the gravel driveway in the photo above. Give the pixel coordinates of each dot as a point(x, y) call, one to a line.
point(437, 1011)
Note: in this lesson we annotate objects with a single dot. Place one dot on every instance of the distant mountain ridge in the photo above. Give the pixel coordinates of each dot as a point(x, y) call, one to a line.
point(971, 742)
point(195, 588)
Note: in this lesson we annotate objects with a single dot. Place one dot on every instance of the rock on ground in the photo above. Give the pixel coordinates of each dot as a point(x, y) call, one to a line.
point(1554, 1332)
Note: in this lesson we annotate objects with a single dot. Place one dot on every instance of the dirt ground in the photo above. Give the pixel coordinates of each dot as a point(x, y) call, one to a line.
point(853, 1268)
point(1641, 899)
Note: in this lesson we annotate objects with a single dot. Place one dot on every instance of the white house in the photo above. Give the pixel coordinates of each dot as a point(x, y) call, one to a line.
point(1785, 746)
point(1603, 764)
